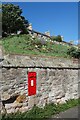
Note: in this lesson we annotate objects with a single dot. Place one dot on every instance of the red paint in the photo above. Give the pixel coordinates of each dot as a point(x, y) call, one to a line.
point(31, 83)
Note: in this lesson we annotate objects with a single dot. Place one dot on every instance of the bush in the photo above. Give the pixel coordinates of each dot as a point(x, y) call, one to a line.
point(74, 52)
point(71, 50)
point(57, 38)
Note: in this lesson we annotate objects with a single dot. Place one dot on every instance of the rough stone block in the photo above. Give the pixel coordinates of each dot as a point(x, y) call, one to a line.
point(31, 101)
point(12, 110)
point(23, 109)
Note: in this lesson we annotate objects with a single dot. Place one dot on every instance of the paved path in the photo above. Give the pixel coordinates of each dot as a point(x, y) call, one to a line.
point(70, 113)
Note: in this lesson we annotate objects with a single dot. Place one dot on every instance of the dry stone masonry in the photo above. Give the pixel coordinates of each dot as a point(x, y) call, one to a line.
point(57, 82)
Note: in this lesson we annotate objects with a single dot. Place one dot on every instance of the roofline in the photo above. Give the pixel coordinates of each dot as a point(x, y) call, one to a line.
point(48, 36)
point(40, 33)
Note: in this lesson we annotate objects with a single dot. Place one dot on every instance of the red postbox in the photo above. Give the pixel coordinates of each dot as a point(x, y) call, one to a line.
point(31, 83)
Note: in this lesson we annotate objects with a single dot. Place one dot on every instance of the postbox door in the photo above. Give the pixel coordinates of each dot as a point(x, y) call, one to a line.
point(31, 83)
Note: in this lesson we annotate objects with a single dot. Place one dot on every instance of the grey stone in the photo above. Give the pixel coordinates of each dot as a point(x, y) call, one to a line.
point(12, 110)
point(23, 109)
point(31, 101)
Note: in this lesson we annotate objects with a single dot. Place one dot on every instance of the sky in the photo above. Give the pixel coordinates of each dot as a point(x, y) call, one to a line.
point(60, 18)
point(40, 0)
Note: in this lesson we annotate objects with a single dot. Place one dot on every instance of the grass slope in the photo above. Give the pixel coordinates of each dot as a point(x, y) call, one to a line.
point(24, 44)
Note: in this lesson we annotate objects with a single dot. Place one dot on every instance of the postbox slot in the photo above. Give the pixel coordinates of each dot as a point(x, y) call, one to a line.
point(32, 83)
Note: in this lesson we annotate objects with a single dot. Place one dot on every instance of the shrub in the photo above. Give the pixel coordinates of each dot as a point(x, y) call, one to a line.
point(71, 50)
point(57, 38)
point(74, 52)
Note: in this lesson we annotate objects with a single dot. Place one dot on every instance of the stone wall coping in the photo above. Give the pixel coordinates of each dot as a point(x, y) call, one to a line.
point(11, 66)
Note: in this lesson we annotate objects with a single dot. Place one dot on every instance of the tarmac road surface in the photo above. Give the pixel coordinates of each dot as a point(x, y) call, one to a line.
point(73, 113)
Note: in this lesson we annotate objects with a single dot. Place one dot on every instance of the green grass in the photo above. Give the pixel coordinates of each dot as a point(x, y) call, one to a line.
point(24, 44)
point(39, 113)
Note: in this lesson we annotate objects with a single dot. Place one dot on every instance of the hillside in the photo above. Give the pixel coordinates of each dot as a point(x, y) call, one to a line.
point(25, 44)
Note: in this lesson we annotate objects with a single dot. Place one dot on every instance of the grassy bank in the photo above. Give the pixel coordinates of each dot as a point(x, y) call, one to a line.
point(39, 113)
point(24, 44)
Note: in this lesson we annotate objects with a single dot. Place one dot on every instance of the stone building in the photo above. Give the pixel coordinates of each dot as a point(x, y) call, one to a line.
point(47, 33)
point(30, 26)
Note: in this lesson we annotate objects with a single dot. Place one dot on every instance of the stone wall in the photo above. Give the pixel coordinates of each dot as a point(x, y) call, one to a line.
point(54, 85)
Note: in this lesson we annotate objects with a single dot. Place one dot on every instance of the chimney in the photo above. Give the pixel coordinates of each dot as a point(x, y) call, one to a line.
point(30, 26)
point(62, 38)
point(47, 33)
